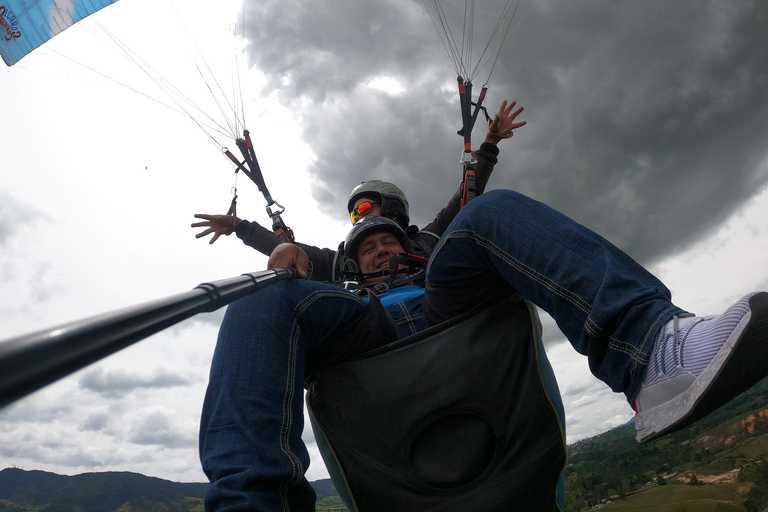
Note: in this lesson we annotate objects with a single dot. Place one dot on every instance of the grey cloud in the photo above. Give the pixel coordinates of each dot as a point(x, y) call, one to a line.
point(95, 422)
point(584, 400)
point(15, 215)
point(22, 450)
point(571, 421)
point(575, 389)
point(647, 121)
point(320, 52)
point(30, 410)
point(160, 427)
point(58, 454)
point(118, 382)
point(590, 391)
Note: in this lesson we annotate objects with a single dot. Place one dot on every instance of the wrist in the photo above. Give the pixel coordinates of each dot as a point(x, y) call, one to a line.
point(494, 138)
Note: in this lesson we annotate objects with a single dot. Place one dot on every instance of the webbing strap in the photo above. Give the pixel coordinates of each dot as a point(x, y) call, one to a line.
point(250, 166)
point(468, 186)
point(468, 118)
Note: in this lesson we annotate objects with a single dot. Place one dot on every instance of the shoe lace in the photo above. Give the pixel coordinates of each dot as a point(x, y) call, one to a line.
point(679, 337)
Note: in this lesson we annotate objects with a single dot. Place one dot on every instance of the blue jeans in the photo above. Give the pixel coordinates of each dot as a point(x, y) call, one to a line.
point(607, 305)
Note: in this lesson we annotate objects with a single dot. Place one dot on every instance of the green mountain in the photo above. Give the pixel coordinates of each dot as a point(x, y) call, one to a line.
point(95, 492)
point(39, 491)
point(714, 465)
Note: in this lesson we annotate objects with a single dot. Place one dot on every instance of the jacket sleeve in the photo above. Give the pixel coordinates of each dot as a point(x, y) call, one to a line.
point(255, 235)
point(263, 240)
point(487, 157)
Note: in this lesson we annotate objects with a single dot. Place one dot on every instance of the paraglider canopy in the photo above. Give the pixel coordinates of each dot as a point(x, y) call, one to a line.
point(25, 25)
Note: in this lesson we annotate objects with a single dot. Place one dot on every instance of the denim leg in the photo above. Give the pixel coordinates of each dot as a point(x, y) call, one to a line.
point(607, 305)
point(250, 432)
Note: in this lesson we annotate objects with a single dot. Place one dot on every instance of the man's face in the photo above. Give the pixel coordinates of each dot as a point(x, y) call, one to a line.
point(374, 253)
point(359, 213)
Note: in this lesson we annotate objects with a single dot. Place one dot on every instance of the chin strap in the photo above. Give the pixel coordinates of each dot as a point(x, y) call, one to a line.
point(414, 266)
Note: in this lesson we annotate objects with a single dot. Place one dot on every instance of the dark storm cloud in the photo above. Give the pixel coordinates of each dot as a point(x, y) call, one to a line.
point(660, 120)
point(322, 51)
point(647, 121)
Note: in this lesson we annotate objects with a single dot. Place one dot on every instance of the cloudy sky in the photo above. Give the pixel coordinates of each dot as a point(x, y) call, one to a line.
point(647, 122)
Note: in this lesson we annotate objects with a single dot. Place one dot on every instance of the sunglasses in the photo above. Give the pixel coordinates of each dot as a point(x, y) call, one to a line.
point(361, 210)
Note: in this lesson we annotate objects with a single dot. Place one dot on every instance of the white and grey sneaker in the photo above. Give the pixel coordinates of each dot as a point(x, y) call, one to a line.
point(699, 364)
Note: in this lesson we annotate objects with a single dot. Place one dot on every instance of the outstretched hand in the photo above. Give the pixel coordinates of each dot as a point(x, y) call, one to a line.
point(289, 255)
point(504, 122)
point(216, 224)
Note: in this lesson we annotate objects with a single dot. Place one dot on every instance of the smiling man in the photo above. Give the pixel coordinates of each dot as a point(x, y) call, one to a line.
point(374, 252)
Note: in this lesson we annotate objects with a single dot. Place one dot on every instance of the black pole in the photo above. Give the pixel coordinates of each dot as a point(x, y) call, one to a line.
point(32, 361)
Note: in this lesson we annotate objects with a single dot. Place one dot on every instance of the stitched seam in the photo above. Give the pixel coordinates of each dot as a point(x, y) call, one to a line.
point(590, 326)
point(287, 423)
point(616, 344)
point(644, 360)
point(288, 397)
point(407, 317)
point(523, 269)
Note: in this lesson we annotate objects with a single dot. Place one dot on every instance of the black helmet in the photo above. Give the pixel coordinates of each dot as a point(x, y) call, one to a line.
point(369, 225)
point(394, 204)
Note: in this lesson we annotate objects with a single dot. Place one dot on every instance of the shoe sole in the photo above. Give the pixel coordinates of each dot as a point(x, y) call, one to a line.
point(741, 363)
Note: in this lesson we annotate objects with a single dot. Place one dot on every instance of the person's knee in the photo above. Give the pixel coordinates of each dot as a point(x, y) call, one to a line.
point(267, 301)
point(494, 204)
point(499, 197)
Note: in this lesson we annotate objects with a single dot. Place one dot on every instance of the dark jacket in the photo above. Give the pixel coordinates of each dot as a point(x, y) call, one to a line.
point(322, 260)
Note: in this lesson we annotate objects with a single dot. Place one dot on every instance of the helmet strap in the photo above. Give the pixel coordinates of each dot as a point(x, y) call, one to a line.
point(414, 266)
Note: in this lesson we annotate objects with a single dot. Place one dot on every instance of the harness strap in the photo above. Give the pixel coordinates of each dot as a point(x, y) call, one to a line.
point(233, 205)
point(468, 118)
point(250, 166)
point(468, 184)
point(422, 244)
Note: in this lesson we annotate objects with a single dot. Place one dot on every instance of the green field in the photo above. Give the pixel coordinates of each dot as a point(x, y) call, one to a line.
point(752, 449)
point(681, 498)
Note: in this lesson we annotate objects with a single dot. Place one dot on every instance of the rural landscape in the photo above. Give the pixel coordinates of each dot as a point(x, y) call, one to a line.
point(716, 465)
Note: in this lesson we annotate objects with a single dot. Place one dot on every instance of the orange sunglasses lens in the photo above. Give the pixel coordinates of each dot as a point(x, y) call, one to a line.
point(360, 210)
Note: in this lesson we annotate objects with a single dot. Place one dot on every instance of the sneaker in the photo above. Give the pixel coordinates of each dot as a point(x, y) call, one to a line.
point(699, 364)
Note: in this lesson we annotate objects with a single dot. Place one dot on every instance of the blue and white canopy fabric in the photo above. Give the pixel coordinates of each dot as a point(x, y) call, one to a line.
point(26, 24)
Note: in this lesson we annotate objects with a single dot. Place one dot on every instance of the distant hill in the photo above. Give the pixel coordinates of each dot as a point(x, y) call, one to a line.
point(95, 492)
point(718, 464)
point(27, 491)
point(721, 455)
